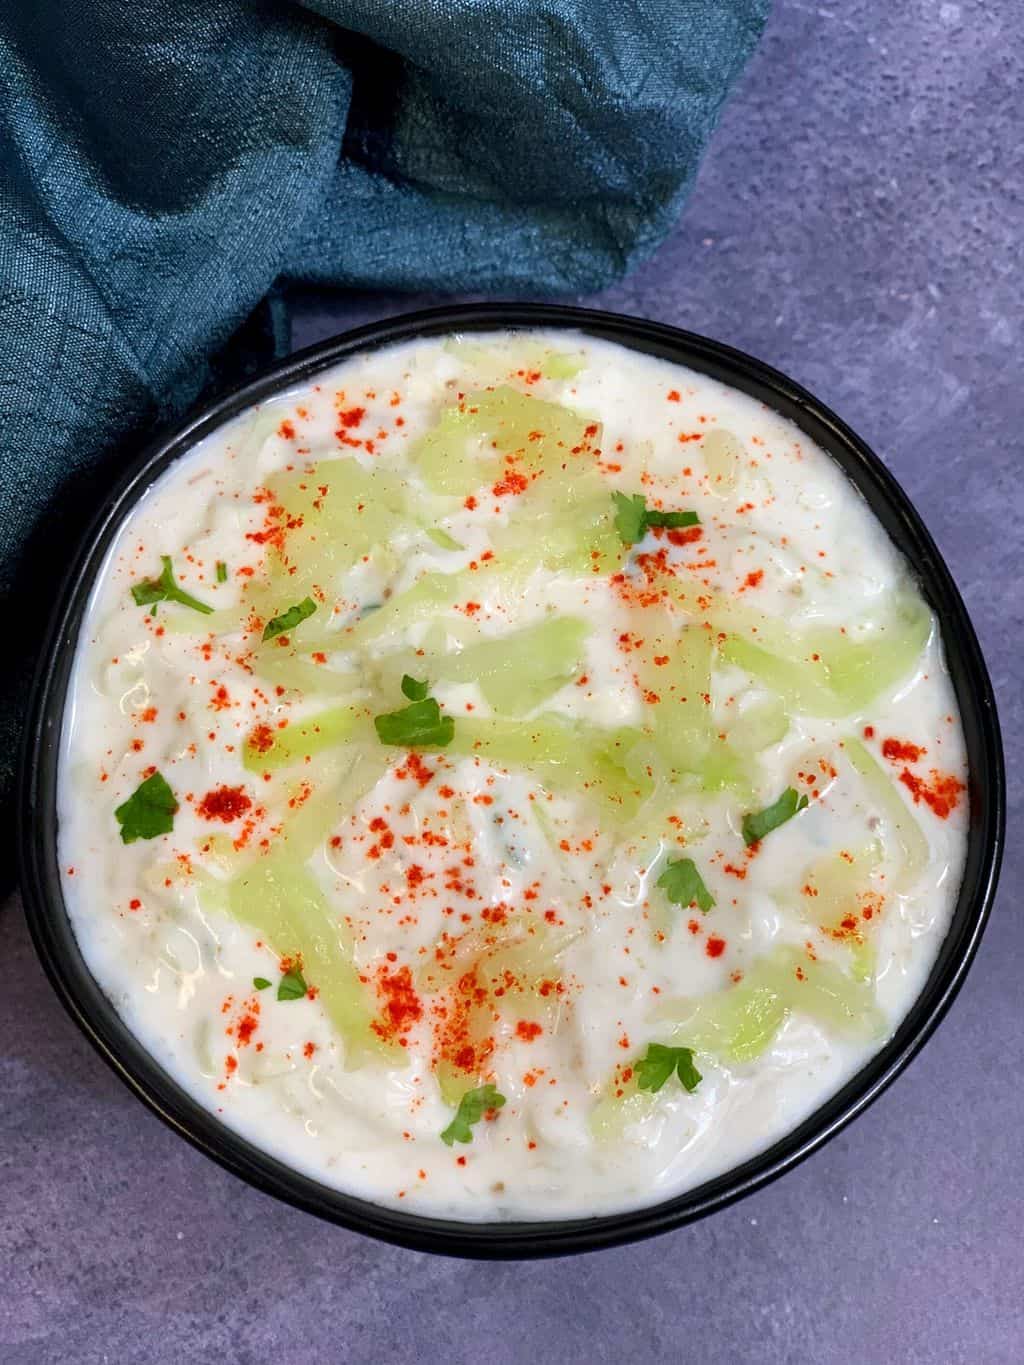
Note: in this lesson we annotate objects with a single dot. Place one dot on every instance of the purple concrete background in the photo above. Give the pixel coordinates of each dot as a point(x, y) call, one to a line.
point(858, 223)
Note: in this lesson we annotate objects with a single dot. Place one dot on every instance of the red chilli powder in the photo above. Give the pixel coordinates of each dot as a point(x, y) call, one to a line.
point(224, 803)
point(401, 1006)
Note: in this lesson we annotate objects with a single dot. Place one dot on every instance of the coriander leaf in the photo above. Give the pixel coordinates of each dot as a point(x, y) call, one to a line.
point(292, 986)
point(260, 982)
point(683, 884)
point(289, 619)
point(759, 823)
point(633, 520)
point(672, 519)
point(165, 589)
point(630, 516)
point(472, 1107)
point(176, 594)
point(418, 724)
point(222, 571)
point(415, 691)
point(150, 591)
point(148, 812)
point(654, 1069)
point(689, 1076)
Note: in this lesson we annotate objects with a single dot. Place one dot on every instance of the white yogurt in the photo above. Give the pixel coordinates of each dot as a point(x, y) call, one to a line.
point(418, 874)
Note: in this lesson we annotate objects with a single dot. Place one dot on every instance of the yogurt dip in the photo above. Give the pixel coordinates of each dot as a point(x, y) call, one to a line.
point(511, 777)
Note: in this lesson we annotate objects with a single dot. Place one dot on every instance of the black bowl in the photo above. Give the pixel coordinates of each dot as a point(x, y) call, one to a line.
point(96, 1017)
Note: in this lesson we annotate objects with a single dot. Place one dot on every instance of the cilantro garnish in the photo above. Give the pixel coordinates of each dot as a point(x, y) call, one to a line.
point(673, 520)
point(292, 986)
point(683, 884)
point(415, 691)
point(148, 812)
point(762, 822)
point(633, 519)
point(653, 1070)
point(165, 589)
point(418, 724)
point(260, 982)
point(288, 620)
point(472, 1107)
point(222, 571)
point(630, 516)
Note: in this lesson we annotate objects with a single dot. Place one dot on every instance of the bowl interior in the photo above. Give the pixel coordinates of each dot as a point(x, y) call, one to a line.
point(93, 1012)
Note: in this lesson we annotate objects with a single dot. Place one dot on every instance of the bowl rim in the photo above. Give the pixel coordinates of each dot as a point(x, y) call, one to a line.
point(93, 1012)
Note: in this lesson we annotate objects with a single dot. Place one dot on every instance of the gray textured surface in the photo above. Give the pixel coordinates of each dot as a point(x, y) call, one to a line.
point(858, 224)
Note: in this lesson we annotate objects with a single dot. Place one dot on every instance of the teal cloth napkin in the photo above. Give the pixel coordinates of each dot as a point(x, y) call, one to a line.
point(163, 164)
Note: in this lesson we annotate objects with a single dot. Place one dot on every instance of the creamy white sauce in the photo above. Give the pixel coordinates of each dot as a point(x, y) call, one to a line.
point(789, 538)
